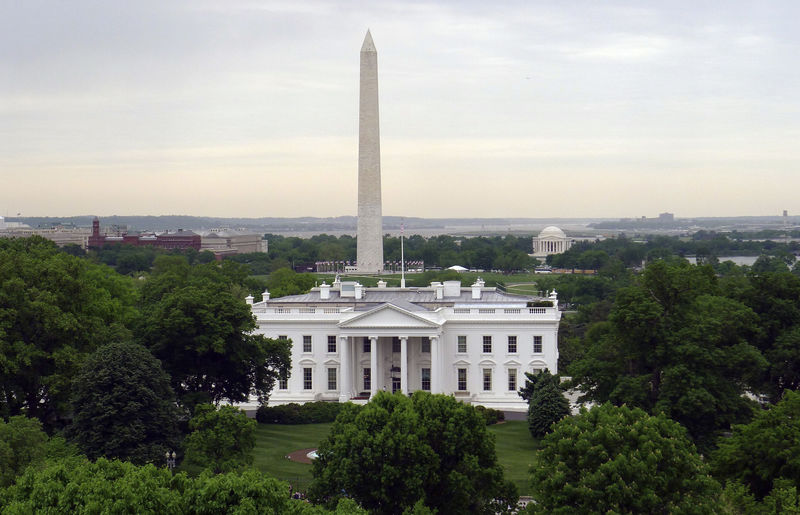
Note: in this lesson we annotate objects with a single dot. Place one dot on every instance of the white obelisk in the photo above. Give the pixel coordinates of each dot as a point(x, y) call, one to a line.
point(369, 247)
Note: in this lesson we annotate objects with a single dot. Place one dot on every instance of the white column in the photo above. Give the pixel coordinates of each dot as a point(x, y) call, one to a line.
point(404, 364)
point(346, 368)
point(436, 373)
point(373, 366)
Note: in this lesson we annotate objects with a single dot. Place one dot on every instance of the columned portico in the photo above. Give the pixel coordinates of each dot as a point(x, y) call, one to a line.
point(373, 363)
point(436, 372)
point(346, 369)
point(404, 364)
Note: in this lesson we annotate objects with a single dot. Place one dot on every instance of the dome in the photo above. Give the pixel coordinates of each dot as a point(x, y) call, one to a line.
point(552, 231)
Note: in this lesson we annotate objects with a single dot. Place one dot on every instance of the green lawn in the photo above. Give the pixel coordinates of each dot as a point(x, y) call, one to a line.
point(515, 450)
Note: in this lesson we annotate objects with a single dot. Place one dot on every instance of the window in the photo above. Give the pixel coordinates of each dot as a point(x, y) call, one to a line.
point(367, 379)
point(283, 337)
point(487, 379)
point(537, 344)
point(307, 382)
point(331, 379)
point(462, 343)
point(487, 344)
point(395, 344)
point(426, 345)
point(283, 383)
point(512, 344)
point(426, 379)
point(307, 343)
point(367, 344)
point(462, 379)
point(331, 343)
point(512, 379)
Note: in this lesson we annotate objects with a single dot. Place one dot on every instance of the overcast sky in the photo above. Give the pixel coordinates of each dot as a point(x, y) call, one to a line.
point(488, 109)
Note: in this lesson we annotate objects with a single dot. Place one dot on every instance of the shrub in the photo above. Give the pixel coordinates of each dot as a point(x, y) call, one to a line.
point(492, 416)
point(293, 413)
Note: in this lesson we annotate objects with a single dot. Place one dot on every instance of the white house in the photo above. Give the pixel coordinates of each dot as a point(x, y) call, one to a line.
point(349, 341)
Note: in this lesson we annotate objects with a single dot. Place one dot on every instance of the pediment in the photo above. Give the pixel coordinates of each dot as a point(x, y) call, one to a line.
point(388, 316)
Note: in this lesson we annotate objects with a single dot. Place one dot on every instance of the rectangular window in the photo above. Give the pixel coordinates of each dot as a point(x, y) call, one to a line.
point(426, 345)
point(367, 379)
point(462, 379)
point(487, 344)
point(283, 337)
point(283, 383)
point(367, 344)
point(512, 344)
point(537, 344)
point(331, 379)
point(487, 379)
point(307, 379)
point(307, 343)
point(462, 343)
point(512, 379)
point(395, 344)
point(331, 343)
point(426, 379)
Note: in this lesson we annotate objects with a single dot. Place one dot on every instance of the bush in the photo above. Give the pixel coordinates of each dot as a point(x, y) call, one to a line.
point(293, 413)
point(547, 406)
point(492, 416)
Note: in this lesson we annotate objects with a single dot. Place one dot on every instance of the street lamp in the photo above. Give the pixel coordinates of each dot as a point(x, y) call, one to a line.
point(170, 459)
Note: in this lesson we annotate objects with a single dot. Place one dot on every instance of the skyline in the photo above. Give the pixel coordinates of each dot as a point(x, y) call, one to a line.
point(250, 109)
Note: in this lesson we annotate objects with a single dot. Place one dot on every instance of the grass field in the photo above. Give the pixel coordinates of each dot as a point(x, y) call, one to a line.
point(515, 450)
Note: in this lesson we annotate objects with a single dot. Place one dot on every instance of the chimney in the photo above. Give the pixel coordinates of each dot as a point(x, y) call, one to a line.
point(381, 284)
point(324, 291)
point(249, 300)
point(476, 289)
point(265, 296)
point(359, 291)
point(439, 289)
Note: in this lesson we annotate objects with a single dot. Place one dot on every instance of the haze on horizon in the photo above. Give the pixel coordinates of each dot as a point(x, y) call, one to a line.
point(248, 108)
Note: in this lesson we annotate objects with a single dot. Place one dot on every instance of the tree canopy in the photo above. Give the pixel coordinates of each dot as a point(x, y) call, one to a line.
point(123, 406)
point(22, 443)
point(55, 309)
point(397, 451)
point(620, 460)
point(202, 333)
point(221, 440)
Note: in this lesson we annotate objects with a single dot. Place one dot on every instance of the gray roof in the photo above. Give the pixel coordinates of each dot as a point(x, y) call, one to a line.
point(407, 299)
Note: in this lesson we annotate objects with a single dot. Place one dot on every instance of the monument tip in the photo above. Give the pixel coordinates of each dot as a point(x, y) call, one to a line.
point(368, 45)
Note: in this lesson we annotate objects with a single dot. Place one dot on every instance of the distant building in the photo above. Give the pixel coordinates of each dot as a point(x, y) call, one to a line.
point(666, 217)
point(167, 240)
point(59, 235)
point(224, 242)
point(551, 240)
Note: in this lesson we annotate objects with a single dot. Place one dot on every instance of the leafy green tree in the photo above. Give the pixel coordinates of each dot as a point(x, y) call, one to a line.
point(222, 440)
point(22, 443)
point(123, 406)
point(203, 336)
point(546, 407)
point(534, 382)
point(397, 451)
point(284, 282)
point(619, 460)
point(78, 486)
point(55, 309)
point(765, 450)
point(674, 344)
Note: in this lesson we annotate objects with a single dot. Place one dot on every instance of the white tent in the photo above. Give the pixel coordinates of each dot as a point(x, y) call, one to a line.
point(457, 268)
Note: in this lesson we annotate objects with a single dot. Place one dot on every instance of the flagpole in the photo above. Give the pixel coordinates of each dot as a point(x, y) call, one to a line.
point(402, 259)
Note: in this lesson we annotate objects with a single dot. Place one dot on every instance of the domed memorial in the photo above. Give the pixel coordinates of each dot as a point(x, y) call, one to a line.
point(551, 240)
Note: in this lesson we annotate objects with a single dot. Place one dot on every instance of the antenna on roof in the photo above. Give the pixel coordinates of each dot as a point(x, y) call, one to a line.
point(402, 258)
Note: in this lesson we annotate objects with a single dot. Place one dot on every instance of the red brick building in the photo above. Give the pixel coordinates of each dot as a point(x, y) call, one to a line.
point(167, 240)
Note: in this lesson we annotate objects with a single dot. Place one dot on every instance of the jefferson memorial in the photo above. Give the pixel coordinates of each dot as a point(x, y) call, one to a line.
point(551, 240)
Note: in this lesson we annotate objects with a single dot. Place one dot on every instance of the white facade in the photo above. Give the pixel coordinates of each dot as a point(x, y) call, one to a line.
point(348, 342)
point(551, 240)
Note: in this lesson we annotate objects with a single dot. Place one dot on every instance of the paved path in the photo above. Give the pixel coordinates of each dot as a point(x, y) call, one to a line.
point(301, 455)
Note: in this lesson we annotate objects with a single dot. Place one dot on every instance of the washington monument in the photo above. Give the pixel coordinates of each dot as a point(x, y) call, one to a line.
point(369, 249)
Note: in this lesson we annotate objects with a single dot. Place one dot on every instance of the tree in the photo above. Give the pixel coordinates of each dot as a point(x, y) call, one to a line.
point(397, 451)
point(55, 309)
point(765, 450)
point(546, 407)
point(222, 440)
point(203, 334)
point(22, 443)
point(674, 344)
point(124, 406)
point(620, 460)
point(79, 486)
